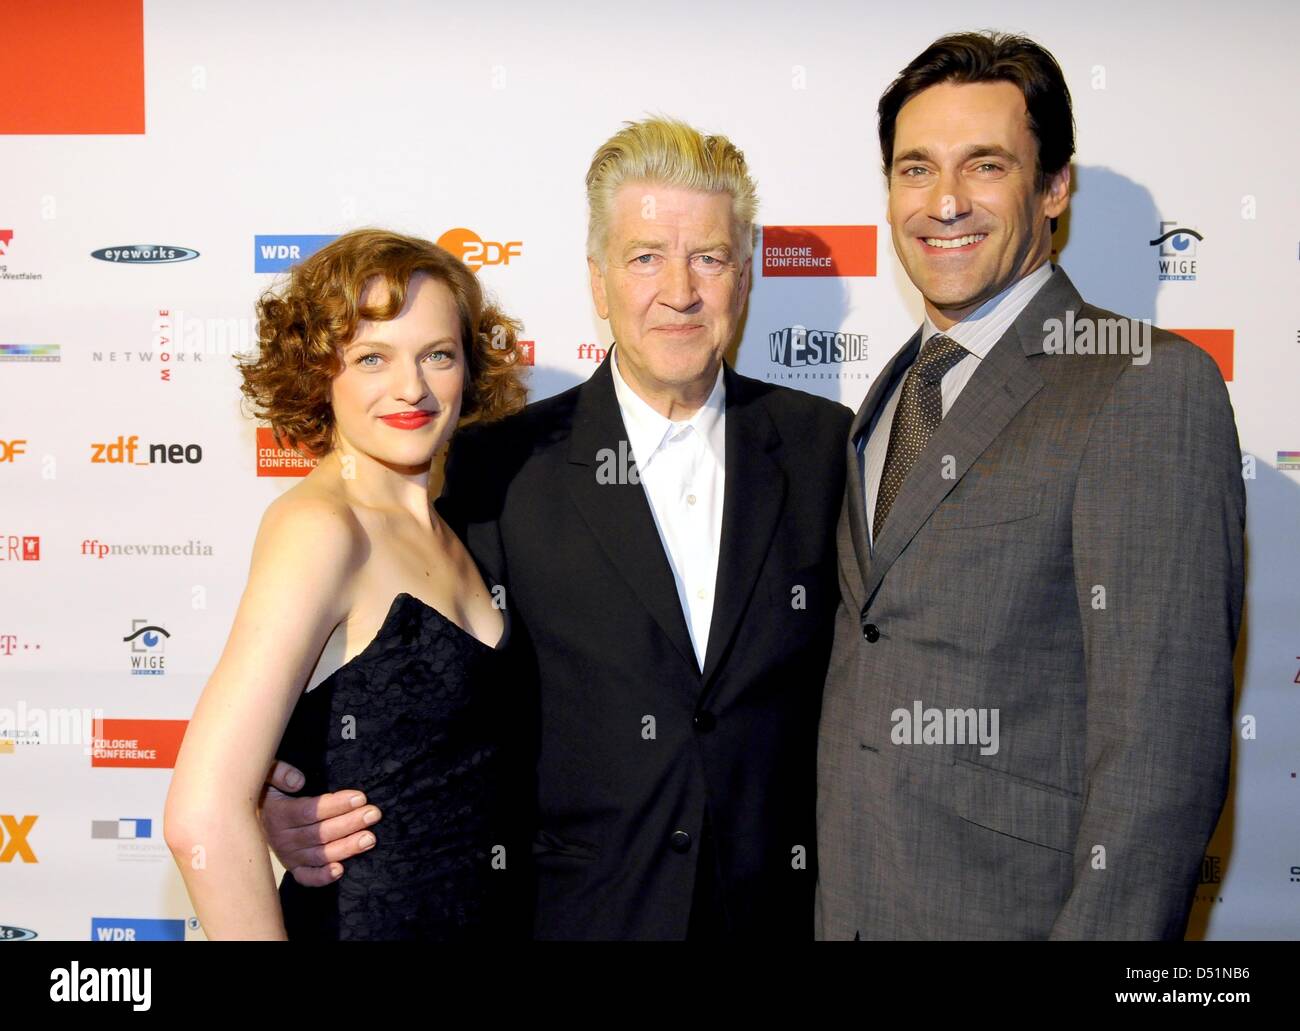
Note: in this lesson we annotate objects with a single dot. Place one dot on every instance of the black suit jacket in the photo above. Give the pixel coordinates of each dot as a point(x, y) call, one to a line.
point(627, 743)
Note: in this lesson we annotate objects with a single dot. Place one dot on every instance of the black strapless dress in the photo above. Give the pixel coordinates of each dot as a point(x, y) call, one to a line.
point(409, 722)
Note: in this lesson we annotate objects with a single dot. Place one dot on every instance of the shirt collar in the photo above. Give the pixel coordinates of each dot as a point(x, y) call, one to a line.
point(647, 430)
point(983, 328)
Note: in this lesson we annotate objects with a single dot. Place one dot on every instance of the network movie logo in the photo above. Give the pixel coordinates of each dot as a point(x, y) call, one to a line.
point(19, 549)
point(29, 353)
point(476, 252)
point(147, 641)
point(280, 253)
point(1176, 258)
point(145, 254)
point(1289, 462)
point(819, 251)
point(797, 347)
point(137, 743)
point(121, 829)
point(135, 929)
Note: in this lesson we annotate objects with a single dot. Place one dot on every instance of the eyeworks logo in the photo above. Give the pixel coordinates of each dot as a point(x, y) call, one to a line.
point(144, 254)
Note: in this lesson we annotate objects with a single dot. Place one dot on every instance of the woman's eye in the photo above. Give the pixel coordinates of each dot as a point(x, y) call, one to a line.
point(365, 360)
point(441, 354)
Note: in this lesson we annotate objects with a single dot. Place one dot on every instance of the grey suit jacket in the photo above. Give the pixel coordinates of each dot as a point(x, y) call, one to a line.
point(1066, 557)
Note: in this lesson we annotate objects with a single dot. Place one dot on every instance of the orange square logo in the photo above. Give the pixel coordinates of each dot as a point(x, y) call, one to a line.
point(72, 68)
point(137, 742)
point(819, 251)
point(1217, 343)
point(274, 460)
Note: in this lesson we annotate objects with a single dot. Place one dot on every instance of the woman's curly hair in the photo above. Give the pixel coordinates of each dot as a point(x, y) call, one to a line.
point(303, 324)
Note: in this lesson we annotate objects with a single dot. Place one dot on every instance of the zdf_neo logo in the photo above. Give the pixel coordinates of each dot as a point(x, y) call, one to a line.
point(477, 252)
point(122, 452)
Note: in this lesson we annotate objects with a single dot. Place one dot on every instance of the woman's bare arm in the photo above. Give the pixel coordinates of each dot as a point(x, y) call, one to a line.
point(304, 560)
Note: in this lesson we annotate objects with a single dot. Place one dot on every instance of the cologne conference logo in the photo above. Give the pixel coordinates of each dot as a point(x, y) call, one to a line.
point(144, 254)
point(819, 251)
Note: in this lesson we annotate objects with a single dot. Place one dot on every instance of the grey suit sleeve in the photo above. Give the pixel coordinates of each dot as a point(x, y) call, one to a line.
point(1159, 516)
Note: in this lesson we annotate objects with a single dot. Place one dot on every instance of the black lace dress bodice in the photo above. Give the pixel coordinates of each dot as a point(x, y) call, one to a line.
point(408, 721)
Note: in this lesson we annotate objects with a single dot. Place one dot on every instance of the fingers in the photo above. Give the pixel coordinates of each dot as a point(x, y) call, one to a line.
point(321, 808)
point(331, 852)
point(285, 777)
point(317, 876)
point(297, 837)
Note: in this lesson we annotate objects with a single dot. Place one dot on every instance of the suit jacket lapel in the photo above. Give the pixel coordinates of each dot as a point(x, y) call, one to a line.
point(753, 497)
point(889, 375)
point(1000, 387)
point(618, 514)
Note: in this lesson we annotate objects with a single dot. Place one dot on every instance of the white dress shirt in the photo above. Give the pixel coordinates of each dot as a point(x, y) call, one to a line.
point(978, 332)
point(683, 470)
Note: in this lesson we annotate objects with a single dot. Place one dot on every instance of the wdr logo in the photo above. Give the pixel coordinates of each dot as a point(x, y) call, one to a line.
point(279, 253)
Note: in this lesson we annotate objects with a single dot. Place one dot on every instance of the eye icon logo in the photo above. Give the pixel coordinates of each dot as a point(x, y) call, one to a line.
point(1176, 241)
point(476, 252)
point(1176, 257)
point(147, 642)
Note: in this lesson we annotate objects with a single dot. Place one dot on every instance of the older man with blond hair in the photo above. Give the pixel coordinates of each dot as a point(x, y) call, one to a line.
point(665, 532)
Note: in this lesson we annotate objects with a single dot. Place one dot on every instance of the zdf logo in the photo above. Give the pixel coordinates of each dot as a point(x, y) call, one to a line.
point(13, 838)
point(11, 449)
point(476, 252)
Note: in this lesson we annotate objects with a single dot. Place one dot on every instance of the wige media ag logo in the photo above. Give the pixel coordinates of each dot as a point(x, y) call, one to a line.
point(1176, 257)
point(147, 642)
point(476, 252)
point(278, 253)
point(145, 254)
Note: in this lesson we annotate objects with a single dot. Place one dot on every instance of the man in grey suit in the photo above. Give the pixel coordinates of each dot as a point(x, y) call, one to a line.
point(1027, 718)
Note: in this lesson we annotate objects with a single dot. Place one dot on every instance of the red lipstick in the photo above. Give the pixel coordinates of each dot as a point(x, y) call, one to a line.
point(408, 420)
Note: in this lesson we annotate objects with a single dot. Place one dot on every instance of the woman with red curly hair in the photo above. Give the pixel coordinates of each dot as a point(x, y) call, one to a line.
point(367, 647)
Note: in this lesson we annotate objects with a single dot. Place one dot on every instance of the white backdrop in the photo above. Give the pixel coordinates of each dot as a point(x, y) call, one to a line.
point(313, 118)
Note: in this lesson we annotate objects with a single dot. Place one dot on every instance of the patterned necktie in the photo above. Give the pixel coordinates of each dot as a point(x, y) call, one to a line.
point(920, 409)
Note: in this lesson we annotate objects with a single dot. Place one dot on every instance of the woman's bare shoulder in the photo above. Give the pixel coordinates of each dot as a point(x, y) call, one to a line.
point(309, 530)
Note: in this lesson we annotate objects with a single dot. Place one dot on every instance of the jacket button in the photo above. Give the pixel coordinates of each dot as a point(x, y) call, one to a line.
point(680, 841)
point(870, 632)
point(704, 721)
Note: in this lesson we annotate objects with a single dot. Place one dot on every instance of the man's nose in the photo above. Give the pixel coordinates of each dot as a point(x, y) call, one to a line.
point(948, 199)
point(677, 285)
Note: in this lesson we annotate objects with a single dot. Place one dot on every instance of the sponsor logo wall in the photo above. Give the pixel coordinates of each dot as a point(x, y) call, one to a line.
point(132, 483)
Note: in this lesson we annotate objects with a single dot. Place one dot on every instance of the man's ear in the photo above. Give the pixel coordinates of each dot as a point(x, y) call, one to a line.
point(598, 288)
point(746, 277)
point(1058, 193)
